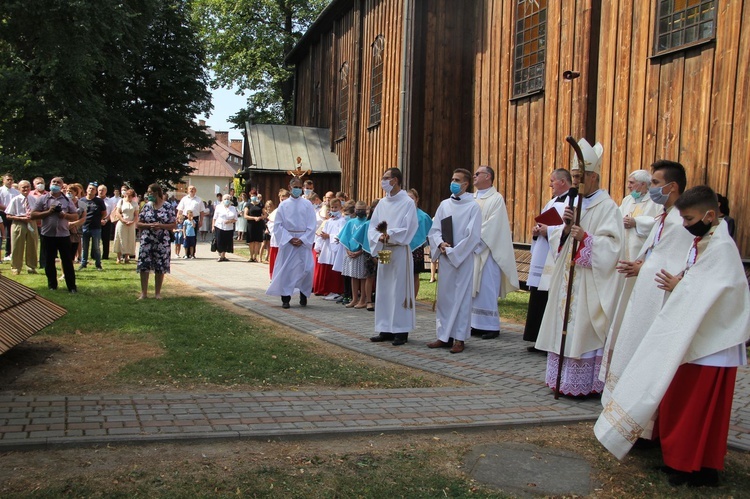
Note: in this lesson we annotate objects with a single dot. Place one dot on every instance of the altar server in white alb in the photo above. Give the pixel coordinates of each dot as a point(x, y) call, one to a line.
point(392, 227)
point(593, 296)
point(685, 366)
point(456, 256)
point(641, 299)
point(294, 230)
point(639, 214)
point(542, 262)
point(495, 273)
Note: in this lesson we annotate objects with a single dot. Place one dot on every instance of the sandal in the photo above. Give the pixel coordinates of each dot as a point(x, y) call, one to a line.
point(371, 307)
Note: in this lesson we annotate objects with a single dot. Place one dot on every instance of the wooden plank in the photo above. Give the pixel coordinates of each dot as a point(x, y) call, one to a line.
point(507, 109)
point(498, 103)
point(725, 76)
point(521, 169)
point(694, 123)
point(565, 99)
point(739, 180)
point(670, 109)
point(536, 171)
point(641, 26)
point(617, 164)
point(552, 77)
point(608, 74)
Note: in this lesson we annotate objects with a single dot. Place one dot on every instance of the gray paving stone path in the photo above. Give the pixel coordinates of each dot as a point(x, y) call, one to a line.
point(504, 385)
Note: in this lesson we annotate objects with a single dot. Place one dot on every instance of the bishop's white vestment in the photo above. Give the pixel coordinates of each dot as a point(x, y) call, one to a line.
point(593, 301)
point(394, 299)
point(453, 311)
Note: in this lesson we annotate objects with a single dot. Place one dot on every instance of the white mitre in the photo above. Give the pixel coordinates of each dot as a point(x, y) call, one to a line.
point(592, 157)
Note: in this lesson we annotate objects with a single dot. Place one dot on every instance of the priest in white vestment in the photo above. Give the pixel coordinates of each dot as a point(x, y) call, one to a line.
point(460, 215)
point(294, 230)
point(639, 214)
point(641, 299)
point(542, 261)
point(594, 296)
point(392, 227)
point(495, 273)
point(686, 364)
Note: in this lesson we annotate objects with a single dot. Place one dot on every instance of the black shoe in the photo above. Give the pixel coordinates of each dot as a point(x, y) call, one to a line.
point(302, 300)
point(51, 288)
point(477, 332)
point(400, 339)
point(285, 301)
point(73, 291)
point(679, 478)
point(382, 337)
point(490, 335)
point(285, 304)
point(706, 477)
point(533, 349)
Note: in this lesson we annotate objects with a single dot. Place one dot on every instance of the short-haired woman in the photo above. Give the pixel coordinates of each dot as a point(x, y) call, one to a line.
point(225, 216)
point(157, 219)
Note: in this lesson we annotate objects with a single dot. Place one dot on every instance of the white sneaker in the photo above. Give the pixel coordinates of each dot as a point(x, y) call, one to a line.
point(6, 259)
point(332, 297)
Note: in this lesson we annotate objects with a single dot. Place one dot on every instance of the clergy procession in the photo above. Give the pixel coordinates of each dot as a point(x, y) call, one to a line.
point(644, 304)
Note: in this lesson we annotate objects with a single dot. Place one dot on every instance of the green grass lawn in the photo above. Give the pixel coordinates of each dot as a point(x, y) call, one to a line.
point(512, 308)
point(203, 343)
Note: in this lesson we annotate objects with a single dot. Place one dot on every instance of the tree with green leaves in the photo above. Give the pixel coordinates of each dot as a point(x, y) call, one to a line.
point(247, 41)
point(102, 90)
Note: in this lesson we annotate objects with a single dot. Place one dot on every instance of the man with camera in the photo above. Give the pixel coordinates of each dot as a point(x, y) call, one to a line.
point(56, 211)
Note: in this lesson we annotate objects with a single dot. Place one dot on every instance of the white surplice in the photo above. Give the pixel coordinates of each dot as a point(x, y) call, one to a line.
point(641, 299)
point(394, 299)
point(453, 313)
point(542, 259)
point(295, 217)
point(705, 318)
point(495, 273)
point(644, 211)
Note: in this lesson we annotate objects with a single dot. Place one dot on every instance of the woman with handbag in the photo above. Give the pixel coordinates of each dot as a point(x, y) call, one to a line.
point(225, 216)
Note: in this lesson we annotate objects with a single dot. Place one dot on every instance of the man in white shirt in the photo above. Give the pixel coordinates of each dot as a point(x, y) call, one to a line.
point(7, 192)
point(108, 232)
point(23, 230)
point(192, 203)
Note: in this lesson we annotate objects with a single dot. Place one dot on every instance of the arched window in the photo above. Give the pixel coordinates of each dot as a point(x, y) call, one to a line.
point(343, 99)
point(530, 47)
point(376, 80)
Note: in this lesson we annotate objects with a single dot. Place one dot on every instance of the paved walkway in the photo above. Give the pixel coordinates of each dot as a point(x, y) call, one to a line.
point(505, 385)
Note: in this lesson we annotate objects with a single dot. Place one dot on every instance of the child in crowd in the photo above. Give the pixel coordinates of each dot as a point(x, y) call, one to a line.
point(179, 235)
point(189, 230)
point(354, 259)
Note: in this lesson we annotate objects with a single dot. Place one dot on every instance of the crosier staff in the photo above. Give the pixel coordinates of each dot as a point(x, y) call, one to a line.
point(572, 269)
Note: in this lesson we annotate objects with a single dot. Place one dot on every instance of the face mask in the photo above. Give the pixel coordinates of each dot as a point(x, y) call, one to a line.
point(254, 199)
point(226, 202)
point(296, 192)
point(361, 213)
point(308, 192)
point(455, 188)
point(40, 187)
point(334, 214)
point(636, 194)
point(386, 185)
point(123, 193)
point(699, 228)
point(657, 194)
point(54, 188)
point(151, 198)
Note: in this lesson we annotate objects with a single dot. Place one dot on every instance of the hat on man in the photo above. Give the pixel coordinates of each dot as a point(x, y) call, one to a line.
point(592, 157)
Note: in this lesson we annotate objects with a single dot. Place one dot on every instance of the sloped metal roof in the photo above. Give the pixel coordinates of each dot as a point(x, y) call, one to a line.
point(275, 148)
point(23, 313)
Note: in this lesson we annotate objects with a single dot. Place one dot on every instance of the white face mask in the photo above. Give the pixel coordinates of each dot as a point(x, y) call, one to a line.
point(386, 185)
point(40, 187)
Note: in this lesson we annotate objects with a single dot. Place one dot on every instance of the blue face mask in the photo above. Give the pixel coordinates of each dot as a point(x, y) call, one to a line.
point(296, 192)
point(657, 194)
point(636, 194)
point(54, 188)
point(455, 188)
